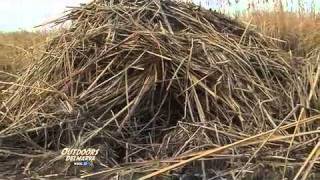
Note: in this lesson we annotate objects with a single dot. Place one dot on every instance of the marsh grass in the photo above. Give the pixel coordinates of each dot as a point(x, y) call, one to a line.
point(299, 29)
point(18, 49)
point(237, 98)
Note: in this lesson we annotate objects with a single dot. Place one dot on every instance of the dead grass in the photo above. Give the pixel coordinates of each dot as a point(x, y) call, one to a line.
point(237, 98)
point(18, 49)
point(112, 80)
point(300, 30)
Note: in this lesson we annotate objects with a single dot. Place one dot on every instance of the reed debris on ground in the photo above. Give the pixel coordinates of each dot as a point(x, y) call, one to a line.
point(162, 88)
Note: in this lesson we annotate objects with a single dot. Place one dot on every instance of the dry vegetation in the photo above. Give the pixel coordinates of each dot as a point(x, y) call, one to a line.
point(167, 90)
point(300, 31)
point(18, 49)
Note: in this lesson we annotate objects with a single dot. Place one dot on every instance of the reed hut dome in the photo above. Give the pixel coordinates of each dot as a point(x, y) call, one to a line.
point(147, 81)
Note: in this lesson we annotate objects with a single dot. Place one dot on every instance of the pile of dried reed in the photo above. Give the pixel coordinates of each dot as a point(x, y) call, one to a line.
point(157, 86)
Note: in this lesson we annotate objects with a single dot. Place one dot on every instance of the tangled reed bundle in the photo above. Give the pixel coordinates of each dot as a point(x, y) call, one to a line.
point(150, 81)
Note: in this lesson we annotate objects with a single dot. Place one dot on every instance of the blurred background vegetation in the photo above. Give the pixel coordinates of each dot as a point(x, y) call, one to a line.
point(296, 22)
